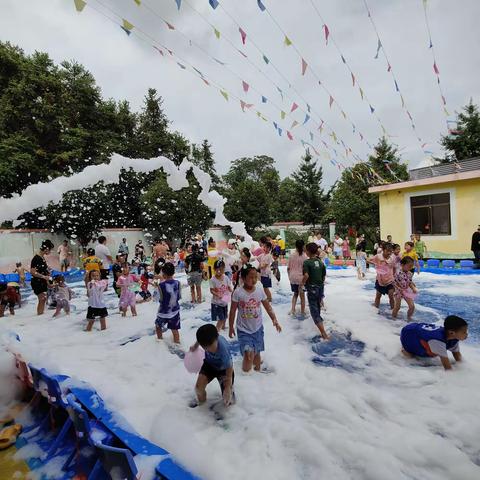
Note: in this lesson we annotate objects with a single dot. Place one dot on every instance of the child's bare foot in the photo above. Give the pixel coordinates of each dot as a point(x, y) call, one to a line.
point(407, 354)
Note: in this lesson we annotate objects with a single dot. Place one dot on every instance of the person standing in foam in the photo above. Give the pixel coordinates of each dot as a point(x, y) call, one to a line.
point(128, 284)
point(220, 288)
point(248, 300)
point(430, 340)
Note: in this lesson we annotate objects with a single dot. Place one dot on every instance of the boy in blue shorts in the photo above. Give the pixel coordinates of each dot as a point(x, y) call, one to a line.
point(169, 309)
point(217, 364)
point(220, 286)
point(429, 340)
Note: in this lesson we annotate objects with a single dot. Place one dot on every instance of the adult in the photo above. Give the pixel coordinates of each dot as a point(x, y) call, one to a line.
point(140, 250)
point(41, 275)
point(346, 248)
point(160, 250)
point(337, 246)
point(104, 254)
point(320, 241)
point(476, 245)
point(389, 239)
point(64, 254)
point(123, 249)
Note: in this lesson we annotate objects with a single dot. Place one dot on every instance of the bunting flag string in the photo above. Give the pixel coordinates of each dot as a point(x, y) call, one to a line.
point(435, 65)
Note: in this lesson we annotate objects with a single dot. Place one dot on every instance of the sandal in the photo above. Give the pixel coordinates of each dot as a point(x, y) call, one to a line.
point(8, 435)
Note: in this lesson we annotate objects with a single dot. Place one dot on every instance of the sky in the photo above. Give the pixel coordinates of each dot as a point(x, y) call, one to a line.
point(125, 66)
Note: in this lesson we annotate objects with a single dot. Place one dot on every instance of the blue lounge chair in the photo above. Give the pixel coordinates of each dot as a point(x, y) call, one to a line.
point(433, 263)
point(448, 264)
point(466, 264)
point(116, 462)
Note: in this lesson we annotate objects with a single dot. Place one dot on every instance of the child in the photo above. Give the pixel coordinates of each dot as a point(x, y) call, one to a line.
point(91, 262)
point(361, 261)
point(169, 308)
point(245, 257)
point(194, 270)
point(265, 261)
point(411, 252)
point(96, 303)
point(248, 300)
point(63, 295)
point(220, 285)
point(217, 364)
point(21, 273)
point(128, 284)
point(314, 273)
point(295, 275)
point(274, 266)
point(404, 288)
point(145, 278)
point(8, 296)
point(396, 258)
point(429, 340)
point(384, 266)
point(420, 246)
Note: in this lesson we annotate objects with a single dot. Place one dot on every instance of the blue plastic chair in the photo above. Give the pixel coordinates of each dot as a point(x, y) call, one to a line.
point(466, 264)
point(448, 263)
point(168, 469)
point(433, 263)
point(326, 261)
point(421, 263)
point(12, 277)
point(116, 462)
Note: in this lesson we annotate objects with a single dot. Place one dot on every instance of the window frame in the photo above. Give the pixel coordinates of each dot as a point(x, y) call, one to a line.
point(429, 205)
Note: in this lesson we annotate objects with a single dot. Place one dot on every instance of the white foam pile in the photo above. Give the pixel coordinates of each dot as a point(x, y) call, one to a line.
point(387, 418)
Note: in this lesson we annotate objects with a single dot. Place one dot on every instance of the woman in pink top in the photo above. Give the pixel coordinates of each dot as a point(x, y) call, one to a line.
point(295, 275)
point(346, 248)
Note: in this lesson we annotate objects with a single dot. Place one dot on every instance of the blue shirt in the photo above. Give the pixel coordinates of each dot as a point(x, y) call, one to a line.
point(169, 296)
point(221, 359)
point(427, 340)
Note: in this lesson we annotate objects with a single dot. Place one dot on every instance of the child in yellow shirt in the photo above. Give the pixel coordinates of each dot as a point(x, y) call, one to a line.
point(410, 252)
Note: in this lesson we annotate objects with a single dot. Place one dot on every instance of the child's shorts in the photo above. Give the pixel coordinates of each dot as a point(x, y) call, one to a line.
point(251, 342)
point(63, 303)
point(411, 342)
point(314, 297)
point(219, 312)
point(93, 313)
point(383, 289)
point(211, 373)
point(266, 282)
point(172, 323)
point(145, 294)
point(295, 287)
point(127, 299)
point(195, 279)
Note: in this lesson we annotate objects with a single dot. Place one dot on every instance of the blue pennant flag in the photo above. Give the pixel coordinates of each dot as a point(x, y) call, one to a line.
point(179, 3)
point(261, 6)
point(396, 86)
point(307, 118)
point(343, 59)
point(279, 131)
point(266, 60)
point(311, 136)
point(275, 125)
point(308, 108)
point(264, 99)
point(213, 3)
point(371, 109)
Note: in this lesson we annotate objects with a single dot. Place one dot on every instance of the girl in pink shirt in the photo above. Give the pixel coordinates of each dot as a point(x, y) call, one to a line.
point(127, 283)
point(295, 275)
point(384, 264)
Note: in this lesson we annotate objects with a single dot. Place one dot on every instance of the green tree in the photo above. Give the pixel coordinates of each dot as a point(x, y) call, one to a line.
point(202, 156)
point(385, 164)
point(309, 198)
point(285, 206)
point(464, 142)
point(250, 187)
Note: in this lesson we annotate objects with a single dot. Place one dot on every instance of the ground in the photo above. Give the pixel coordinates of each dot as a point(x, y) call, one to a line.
point(352, 408)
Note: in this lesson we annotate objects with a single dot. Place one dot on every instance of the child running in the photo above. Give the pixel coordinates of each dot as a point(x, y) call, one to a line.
point(411, 252)
point(265, 261)
point(404, 288)
point(63, 295)
point(220, 286)
point(216, 364)
point(169, 309)
point(128, 284)
point(384, 284)
point(20, 270)
point(314, 273)
point(96, 303)
point(295, 275)
point(429, 340)
point(248, 300)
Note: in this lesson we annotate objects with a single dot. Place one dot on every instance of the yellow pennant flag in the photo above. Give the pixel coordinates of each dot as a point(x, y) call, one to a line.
point(403, 101)
point(127, 25)
point(446, 112)
point(79, 5)
point(344, 115)
point(217, 33)
point(264, 118)
point(287, 41)
point(138, 2)
point(282, 114)
point(361, 92)
point(224, 94)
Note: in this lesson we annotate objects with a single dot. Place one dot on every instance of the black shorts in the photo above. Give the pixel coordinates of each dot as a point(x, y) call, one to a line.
point(93, 313)
point(39, 286)
point(212, 373)
point(383, 290)
point(104, 274)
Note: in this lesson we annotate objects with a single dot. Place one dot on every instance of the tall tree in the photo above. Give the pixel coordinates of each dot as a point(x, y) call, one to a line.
point(464, 142)
point(285, 207)
point(202, 156)
point(385, 164)
point(250, 187)
point(309, 198)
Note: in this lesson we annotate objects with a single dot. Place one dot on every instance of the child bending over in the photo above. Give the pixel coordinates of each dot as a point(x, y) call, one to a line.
point(63, 295)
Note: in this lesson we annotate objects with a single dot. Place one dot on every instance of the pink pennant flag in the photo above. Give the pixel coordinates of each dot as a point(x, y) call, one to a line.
point(294, 107)
point(159, 50)
point(245, 105)
point(353, 80)
point(389, 68)
point(289, 135)
point(245, 86)
point(294, 124)
point(170, 52)
point(170, 26)
point(435, 68)
point(361, 137)
point(330, 101)
point(327, 33)
point(304, 66)
point(424, 145)
point(206, 82)
point(242, 34)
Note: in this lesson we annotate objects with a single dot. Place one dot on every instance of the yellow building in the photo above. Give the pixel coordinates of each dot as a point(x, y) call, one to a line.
point(441, 202)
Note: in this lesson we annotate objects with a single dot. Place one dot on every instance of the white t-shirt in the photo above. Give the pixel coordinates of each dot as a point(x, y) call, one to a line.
point(95, 293)
point(230, 257)
point(322, 243)
point(101, 251)
point(222, 287)
point(249, 317)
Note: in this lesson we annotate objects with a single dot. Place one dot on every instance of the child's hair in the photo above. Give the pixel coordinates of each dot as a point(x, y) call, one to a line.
point(125, 265)
point(454, 323)
point(245, 270)
point(159, 263)
point(18, 264)
point(59, 279)
point(300, 245)
point(218, 264)
point(387, 246)
point(411, 244)
point(312, 248)
point(168, 269)
point(268, 245)
point(246, 252)
point(395, 246)
point(406, 260)
point(275, 254)
point(263, 240)
point(90, 273)
point(3, 287)
point(91, 251)
point(207, 334)
point(194, 248)
point(211, 241)
point(46, 245)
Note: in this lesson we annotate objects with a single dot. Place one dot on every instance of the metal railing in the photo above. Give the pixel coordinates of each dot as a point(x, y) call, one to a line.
point(445, 169)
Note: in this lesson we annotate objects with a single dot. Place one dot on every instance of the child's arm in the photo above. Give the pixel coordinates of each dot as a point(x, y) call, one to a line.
point(304, 279)
point(413, 287)
point(271, 314)
point(446, 363)
point(231, 319)
point(417, 266)
point(227, 391)
point(457, 356)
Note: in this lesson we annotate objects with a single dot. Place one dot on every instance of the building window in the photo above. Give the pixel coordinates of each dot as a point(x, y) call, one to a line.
point(431, 214)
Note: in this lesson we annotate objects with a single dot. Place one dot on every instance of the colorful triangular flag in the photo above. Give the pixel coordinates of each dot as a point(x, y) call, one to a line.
point(443, 100)
point(219, 61)
point(308, 108)
point(205, 81)
point(282, 115)
point(245, 105)
point(279, 131)
point(287, 41)
point(127, 26)
point(213, 3)
point(217, 32)
point(311, 136)
point(170, 26)
point(361, 92)
point(304, 66)
point(403, 101)
point(245, 86)
point(242, 34)
point(344, 115)
point(294, 107)
point(280, 92)
point(224, 94)
point(138, 2)
point(343, 59)
point(307, 118)
point(266, 60)
point(379, 46)
point(389, 68)
point(289, 135)
point(330, 102)
point(159, 50)
point(178, 2)
point(294, 124)
point(183, 67)
point(435, 68)
point(261, 6)
point(275, 125)
point(353, 79)
point(327, 33)
point(79, 5)
point(264, 99)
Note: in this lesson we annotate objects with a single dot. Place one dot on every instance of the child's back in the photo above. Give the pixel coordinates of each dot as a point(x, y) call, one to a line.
point(169, 298)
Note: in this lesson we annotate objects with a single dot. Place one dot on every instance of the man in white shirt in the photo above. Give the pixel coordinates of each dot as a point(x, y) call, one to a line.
point(321, 242)
point(104, 254)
